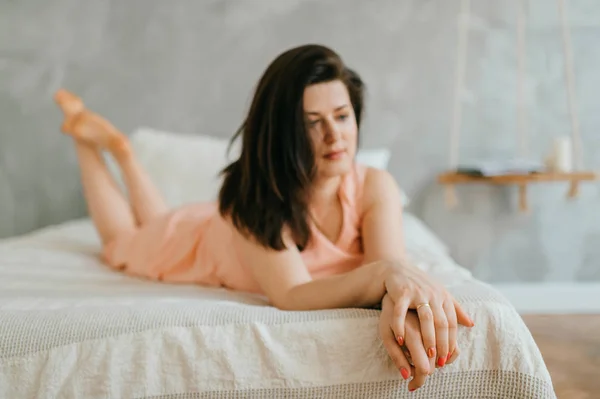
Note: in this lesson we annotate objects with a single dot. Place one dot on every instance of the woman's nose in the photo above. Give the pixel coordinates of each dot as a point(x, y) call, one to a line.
point(333, 132)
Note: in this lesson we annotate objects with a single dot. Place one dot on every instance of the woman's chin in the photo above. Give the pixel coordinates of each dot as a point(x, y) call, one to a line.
point(335, 168)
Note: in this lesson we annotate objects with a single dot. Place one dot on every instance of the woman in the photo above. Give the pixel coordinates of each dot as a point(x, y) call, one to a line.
point(297, 219)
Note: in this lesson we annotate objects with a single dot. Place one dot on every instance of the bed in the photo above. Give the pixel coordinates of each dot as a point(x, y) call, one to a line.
point(72, 328)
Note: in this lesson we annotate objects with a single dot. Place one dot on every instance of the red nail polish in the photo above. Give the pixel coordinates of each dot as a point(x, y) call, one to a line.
point(441, 361)
point(431, 352)
point(412, 389)
point(400, 340)
point(404, 373)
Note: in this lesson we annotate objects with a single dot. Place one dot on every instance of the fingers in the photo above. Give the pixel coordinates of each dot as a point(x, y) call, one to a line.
point(394, 350)
point(448, 307)
point(454, 355)
point(399, 318)
point(426, 320)
point(438, 322)
point(419, 358)
point(396, 354)
point(441, 334)
point(462, 316)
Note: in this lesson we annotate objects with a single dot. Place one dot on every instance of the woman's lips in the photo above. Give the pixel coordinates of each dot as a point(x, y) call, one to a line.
point(334, 155)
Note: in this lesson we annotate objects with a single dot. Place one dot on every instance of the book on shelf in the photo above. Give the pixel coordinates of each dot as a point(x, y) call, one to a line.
point(490, 168)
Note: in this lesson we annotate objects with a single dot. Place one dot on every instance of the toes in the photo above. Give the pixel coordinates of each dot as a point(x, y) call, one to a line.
point(63, 95)
point(68, 102)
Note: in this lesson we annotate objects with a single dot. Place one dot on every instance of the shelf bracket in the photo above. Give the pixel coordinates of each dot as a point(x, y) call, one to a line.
point(523, 206)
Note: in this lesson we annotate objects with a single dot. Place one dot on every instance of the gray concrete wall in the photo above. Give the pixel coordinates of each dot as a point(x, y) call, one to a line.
point(190, 66)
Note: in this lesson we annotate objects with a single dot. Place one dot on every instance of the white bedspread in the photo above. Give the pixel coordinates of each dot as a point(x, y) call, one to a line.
point(72, 328)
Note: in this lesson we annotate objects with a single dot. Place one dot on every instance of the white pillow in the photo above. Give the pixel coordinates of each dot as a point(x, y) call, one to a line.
point(185, 167)
point(420, 237)
point(376, 158)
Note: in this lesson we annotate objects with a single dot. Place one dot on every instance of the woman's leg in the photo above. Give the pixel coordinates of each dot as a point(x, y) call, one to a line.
point(145, 199)
point(107, 206)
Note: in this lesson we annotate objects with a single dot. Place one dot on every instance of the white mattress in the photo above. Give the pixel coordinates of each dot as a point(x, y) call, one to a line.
point(72, 328)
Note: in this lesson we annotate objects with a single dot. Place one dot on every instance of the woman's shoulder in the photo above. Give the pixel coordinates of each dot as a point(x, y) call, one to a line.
point(372, 179)
point(375, 178)
point(378, 185)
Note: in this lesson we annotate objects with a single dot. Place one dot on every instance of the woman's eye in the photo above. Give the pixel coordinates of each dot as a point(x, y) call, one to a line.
point(313, 123)
point(343, 117)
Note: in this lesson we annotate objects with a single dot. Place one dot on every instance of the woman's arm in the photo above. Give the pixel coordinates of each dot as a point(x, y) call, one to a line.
point(283, 277)
point(382, 231)
point(410, 288)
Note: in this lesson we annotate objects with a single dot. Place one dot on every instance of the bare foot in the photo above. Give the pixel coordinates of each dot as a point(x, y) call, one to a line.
point(71, 106)
point(84, 125)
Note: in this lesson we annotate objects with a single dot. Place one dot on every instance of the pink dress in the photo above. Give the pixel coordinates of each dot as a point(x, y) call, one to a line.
point(193, 244)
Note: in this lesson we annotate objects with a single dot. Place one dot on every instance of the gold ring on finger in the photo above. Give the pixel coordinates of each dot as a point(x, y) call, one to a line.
point(423, 304)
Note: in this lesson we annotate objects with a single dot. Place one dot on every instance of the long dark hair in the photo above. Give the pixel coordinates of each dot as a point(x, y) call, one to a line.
point(267, 187)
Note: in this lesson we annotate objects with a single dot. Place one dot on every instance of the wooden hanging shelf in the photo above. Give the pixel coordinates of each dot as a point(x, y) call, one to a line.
point(460, 178)
point(522, 180)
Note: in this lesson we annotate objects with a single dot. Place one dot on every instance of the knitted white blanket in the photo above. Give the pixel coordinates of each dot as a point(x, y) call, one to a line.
point(72, 328)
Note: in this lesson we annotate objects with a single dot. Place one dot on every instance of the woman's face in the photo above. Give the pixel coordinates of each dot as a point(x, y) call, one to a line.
point(331, 124)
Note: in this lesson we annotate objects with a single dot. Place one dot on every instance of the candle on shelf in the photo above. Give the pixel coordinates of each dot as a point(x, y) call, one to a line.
point(560, 158)
point(563, 154)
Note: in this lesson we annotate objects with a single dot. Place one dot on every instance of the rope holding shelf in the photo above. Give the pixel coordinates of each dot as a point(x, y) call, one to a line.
point(522, 120)
point(459, 79)
point(570, 84)
point(522, 130)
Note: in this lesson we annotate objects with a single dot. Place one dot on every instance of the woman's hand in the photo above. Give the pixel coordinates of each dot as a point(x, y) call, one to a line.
point(414, 361)
point(408, 287)
point(438, 312)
